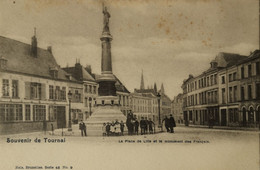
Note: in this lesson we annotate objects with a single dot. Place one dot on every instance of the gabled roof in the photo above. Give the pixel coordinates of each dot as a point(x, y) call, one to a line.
point(120, 87)
point(20, 60)
point(79, 73)
point(228, 59)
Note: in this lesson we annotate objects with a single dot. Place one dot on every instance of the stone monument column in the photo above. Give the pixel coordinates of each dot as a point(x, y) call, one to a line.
point(107, 103)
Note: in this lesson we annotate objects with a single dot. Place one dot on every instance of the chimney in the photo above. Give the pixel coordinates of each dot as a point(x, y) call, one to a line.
point(34, 45)
point(49, 48)
point(89, 69)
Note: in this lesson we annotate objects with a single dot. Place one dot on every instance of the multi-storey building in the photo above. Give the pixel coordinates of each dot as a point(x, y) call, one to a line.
point(144, 105)
point(240, 93)
point(177, 108)
point(34, 88)
point(227, 92)
point(84, 96)
point(165, 103)
point(123, 96)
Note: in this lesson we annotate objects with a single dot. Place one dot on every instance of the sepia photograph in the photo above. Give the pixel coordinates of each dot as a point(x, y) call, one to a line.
point(130, 84)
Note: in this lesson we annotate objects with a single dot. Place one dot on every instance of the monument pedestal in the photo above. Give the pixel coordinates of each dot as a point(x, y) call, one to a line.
point(107, 110)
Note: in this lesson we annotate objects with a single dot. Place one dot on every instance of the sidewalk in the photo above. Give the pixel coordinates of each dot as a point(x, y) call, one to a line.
point(220, 127)
point(76, 132)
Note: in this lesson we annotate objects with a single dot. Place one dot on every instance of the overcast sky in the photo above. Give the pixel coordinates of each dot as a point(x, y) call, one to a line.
point(168, 39)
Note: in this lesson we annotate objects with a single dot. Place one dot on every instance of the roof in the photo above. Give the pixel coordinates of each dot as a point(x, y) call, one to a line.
point(120, 87)
point(145, 91)
point(20, 60)
point(79, 73)
point(228, 59)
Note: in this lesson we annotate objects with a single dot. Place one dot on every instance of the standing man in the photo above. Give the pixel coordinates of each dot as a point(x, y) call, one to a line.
point(136, 123)
point(122, 126)
point(166, 123)
point(172, 123)
point(142, 125)
point(150, 125)
point(83, 128)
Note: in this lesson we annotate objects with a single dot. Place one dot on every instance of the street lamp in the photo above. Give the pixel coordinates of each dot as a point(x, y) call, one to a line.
point(159, 111)
point(69, 97)
point(90, 104)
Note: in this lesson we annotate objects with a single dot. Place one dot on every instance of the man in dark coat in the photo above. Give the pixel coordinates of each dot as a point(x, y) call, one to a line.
point(166, 123)
point(146, 125)
point(142, 125)
point(122, 126)
point(150, 125)
point(108, 128)
point(172, 123)
point(83, 128)
point(136, 124)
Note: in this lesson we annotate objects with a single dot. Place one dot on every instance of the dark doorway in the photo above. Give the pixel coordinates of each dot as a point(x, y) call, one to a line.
point(61, 117)
point(186, 118)
point(223, 117)
point(244, 117)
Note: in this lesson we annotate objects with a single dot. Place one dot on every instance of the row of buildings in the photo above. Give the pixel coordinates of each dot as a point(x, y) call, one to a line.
point(227, 93)
point(37, 94)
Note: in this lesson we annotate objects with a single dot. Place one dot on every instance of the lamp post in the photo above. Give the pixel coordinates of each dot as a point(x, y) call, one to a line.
point(69, 97)
point(90, 104)
point(159, 111)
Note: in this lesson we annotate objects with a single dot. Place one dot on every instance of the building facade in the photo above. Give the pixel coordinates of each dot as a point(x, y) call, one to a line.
point(177, 108)
point(34, 88)
point(226, 93)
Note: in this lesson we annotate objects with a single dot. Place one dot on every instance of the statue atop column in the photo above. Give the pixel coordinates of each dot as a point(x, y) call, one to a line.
point(106, 19)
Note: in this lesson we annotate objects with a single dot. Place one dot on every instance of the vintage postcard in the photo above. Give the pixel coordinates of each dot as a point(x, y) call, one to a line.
point(129, 84)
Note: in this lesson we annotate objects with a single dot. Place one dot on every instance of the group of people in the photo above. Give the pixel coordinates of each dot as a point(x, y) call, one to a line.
point(116, 128)
point(113, 129)
point(132, 123)
point(169, 123)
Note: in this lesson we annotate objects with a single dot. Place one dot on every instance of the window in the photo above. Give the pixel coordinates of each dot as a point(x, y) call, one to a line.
point(249, 70)
point(230, 94)
point(39, 112)
point(86, 88)
point(223, 79)
point(11, 112)
point(233, 115)
point(90, 89)
point(215, 78)
point(258, 90)
point(207, 81)
point(77, 96)
point(15, 88)
point(234, 76)
point(53, 113)
point(5, 88)
point(35, 90)
point(242, 93)
point(223, 96)
point(249, 92)
point(257, 67)
point(27, 112)
point(63, 93)
point(51, 92)
point(57, 93)
point(94, 89)
point(211, 80)
point(242, 73)
point(235, 93)
point(230, 77)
